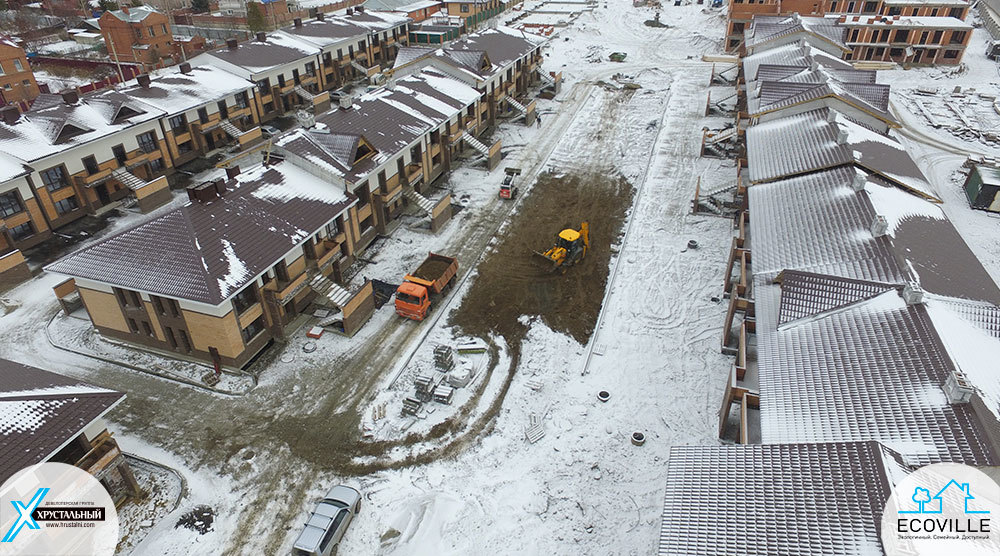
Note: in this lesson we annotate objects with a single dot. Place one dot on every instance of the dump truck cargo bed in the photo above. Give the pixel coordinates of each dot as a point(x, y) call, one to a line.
point(435, 272)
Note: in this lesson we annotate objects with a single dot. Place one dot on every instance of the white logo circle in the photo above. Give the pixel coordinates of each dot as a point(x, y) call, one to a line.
point(58, 509)
point(946, 509)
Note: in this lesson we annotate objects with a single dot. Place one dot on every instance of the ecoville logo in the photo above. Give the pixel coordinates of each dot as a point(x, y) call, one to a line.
point(24, 514)
point(927, 504)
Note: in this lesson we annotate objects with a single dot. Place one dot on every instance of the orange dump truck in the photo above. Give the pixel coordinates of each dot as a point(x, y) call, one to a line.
point(413, 296)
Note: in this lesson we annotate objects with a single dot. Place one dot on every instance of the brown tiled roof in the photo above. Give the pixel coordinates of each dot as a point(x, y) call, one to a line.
point(207, 252)
point(41, 411)
point(804, 294)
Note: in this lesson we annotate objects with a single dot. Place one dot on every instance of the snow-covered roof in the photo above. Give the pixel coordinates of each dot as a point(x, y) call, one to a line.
point(823, 138)
point(766, 28)
point(134, 15)
point(252, 57)
point(799, 54)
point(208, 251)
point(821, 223)
point(175, 92)
point(52, 126)
point(498, 47)
point(923, 22)
point(41, 412)
point(801, 499)
point(853, 362)
point(390, 119)
point(11, 168)
point(327, 32)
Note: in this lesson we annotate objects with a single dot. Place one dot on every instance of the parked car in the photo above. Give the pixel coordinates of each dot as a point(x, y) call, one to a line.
point(328, 522)
point(270, 130)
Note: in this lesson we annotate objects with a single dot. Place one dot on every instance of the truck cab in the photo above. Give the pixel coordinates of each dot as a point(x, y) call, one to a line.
point(412, 301)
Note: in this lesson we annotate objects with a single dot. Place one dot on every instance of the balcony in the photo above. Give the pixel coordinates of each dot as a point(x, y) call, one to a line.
point(328, 250)
point(100, 458)
point(413, 173)
point(285, 291)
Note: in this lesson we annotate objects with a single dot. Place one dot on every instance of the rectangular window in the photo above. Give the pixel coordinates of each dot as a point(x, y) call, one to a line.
point(245, 299)
point(264, 86)
point(956, 13)
point(281, 272)
point(361, 45)
point(18, 233)
point(364, 195)
point(185, 341)
point(55, 178)
point(223, 109)
point(169, 333)
point(281, 80)
point(255, 328)
point(184, 147)
point(311, 69)
point(152, 33)
point(158, 305)
point(895, 10)
point(203, 115)
point(854, 35)
point(242, 100)
point(1, 69)
point(90, 164)
point(937, 37)
point(17, 65)
point(132, 325)
point(10, 203)
point(332, 229)
point(465, 8)
point(134, 298)
point(178, 123)
point(163, 28)
point(951, 54)
point(120, 155)
point(66, 205)
point(156, 166)
point(957, 37)
point(870, 7)
point(147, 142)
point(147, 329)
point(902, 35)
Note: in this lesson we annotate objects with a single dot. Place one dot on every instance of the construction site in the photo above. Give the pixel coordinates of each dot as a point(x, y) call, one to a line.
point(501, 345)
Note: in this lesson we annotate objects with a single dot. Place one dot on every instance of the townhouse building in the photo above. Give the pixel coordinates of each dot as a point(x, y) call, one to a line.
point(17, 81)
point(87, 153)
point(203, 108)
point(344, 49)
point(70, 427)
point(284, 68)
point(21, 222)
point(417, 11)
point(902, 31)
point(220, 277)
point(387, 32)
point(500, 63)
point(392, 144)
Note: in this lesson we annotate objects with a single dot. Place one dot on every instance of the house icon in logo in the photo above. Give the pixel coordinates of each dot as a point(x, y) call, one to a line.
point(927, 504)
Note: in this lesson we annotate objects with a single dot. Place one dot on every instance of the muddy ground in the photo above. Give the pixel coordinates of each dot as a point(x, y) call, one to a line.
point(513, 282)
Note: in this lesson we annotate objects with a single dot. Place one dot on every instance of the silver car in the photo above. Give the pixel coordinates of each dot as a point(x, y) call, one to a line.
point(328, 522)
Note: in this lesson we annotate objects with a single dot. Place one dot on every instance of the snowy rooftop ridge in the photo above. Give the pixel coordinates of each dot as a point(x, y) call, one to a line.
point(174, 91)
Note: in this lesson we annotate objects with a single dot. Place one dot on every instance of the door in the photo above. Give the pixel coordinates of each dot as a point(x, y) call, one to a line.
point(210, 141)
point(102, 194)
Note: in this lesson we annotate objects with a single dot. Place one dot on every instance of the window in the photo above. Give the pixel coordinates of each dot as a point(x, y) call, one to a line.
point(147, 142)
point(132, 325)
point(18, 233)
point(332, 229)
point(934, 12)
point(152, 33)
point(134, 298)
point(255, 328)
point(340, 53)
point(1, 69)
point(90, 164)
point(147, 329)
point(951, 54)
point(184, 147)
point(223, 109)
point(169, 333)
point(64, 206)
point(281, 272)
point(957, 37)
point(902, 35)
point(854, 35)
point(937, 37)
point(364, 195)
point(242, 100)
point(120, 155)
point(17, 65)
point(465, 8)
point(10, 203)
point(156, 166)
point(245, 299)
point(264, 86)
point(833, 7)
point(26, 83)
point(55, 178)
point(203, 115)
point(158, 305)
point(185, 341)
point(311, 69)
point(138, 32)
point(163, 28)
point(895, 10)
point(870, 7)
point(178, 123)
point(281, 80)
point(361, 45)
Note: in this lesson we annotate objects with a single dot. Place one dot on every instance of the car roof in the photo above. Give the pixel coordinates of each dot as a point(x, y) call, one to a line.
point(344, 494)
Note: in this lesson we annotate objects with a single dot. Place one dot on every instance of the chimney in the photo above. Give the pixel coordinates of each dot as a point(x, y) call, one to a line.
point(261, 36)
point(879, 226)
point(841, 136)
point(346, 101)
point(220, 185)
point(843, 19)
point(44, 88)
point(859, 180)
point(361, 9)
point(350, 11)
point(813, 66)
point(124, 10)
point(297, 21)
point(232, 172)
point(185, 67)
point(10, 114)
point(231, 43)
point(71, 96)
point(321, 16)
point(957, 388)
point(203, 192)
point(143, 80)
point(913, 294)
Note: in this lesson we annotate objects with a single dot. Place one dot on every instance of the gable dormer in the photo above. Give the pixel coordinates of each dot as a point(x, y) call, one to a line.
point(364, 150)
point(125, 112)
point(68, 131)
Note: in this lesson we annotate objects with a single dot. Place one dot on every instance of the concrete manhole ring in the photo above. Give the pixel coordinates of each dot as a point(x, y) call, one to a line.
point(638, 438)
point(287, 357)
point(309, 347)
point(603, 396)
point(692, 244)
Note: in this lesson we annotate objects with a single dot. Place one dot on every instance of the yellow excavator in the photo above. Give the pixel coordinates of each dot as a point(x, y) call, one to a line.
point(570, 248)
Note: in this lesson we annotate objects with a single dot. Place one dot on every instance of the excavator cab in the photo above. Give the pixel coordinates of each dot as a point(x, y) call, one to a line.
point(570, 248)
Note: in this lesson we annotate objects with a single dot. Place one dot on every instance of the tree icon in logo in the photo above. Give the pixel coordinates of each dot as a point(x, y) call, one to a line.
point(921, 496)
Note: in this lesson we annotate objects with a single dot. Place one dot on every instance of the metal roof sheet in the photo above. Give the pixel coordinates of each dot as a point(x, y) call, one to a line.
point(789, 499)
